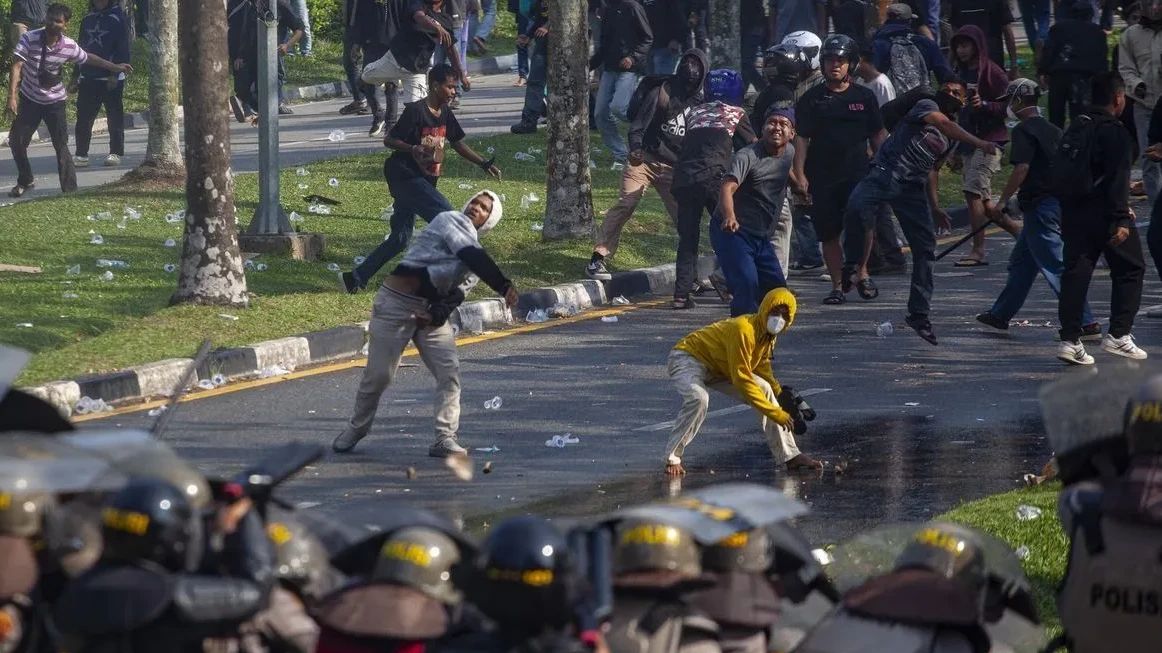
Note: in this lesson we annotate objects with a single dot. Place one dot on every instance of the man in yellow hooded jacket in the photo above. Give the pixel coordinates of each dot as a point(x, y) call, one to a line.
point(734, 357)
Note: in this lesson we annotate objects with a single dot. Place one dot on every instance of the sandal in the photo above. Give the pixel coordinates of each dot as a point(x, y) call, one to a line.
point(19, 191)
point(835, 298)
point(520, 81)
point(867, 289)
point(682, 303)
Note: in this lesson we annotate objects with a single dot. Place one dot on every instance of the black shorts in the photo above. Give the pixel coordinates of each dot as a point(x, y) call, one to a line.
point(828, 208)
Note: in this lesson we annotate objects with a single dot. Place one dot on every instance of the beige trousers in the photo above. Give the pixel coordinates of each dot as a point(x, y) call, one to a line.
point(780, 234)
point(691, 378)
point(386, 70)
point(393, 326)
point(635, 180)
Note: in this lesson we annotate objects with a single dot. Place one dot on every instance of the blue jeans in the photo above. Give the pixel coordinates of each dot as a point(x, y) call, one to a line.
point(413, 196)
point(910, 204)
point(749, 264)
point(300, 7)
point(482, 27)
point(1039, 249)
point(804, 244)
point(1035, 17)
point(534, 107)
point(522, 51)
point(663, 61)
point(612, 102)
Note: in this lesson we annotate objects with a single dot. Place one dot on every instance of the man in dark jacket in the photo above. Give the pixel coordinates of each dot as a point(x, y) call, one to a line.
point(537, 33)
point(105, 34)
point(914, 55)
point(655, 141)
point(626, 39)
point(670, 29)
point(370, 27)
point(242, 22)
point(1101, 224)
point(1075, 51)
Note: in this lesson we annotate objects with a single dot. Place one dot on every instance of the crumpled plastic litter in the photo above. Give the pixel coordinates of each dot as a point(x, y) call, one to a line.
point(535, 150)
point(157, 411)
point(111, 263)
point(493, 404)
point(173, 218)
point(592, 164)
point(218, 379)
point(333, 183)
point(169, 267)
point(1027, 323)
point(884, 330)
point(609, 319)
point(1022, 552)
point(206, 384)
point(69, 295)
point(537, 226)
point(490, 150)
point(488, 449)
point(294, 217)
point(617, 166)
point(87, 405)
point(533, 198)
point(524, 156)
point(107, 276)
point(274, 370)
point(337, 136)
point(302, 172)
point(822, 557)
point(620, 300)
point(170, 242)
point(562, 310)
point(248, 264)
point(911, 403)
point(386, 214)
point(358, 260)
point(537, 315)
point(465, 186)
point(333, 267)
point(227, 316)
point(132, 213)
point(123, 223)
point(96, 239)
point(319, 209)
point(304, 186)
point(73, 270)
point(24, 325)
point(1026, 512)
point(561, 441)
point(260, 267)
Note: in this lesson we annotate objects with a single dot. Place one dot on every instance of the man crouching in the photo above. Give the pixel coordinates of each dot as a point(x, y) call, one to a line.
point(413, 305)
point(734, 357)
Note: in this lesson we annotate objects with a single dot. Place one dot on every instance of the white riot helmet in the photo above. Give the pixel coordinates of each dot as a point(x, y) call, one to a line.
point(808, 43)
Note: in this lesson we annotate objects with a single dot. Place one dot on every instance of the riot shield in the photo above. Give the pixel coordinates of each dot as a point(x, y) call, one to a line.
point(359, 558)
point(35, 463)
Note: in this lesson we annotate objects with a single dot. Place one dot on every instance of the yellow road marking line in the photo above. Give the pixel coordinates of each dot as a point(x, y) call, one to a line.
point(362, 360)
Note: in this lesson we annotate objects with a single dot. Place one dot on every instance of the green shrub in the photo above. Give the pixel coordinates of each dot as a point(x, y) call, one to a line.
point(326, 22)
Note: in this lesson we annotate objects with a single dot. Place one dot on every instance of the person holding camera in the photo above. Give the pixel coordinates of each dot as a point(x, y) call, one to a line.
point(36, 93)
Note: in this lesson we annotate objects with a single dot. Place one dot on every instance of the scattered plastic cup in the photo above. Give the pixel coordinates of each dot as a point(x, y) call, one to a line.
point(111, 263)
point(1026, 512)
point(537, 315)
point(493, 404)
point(465, 186)
point(333, 183)
point(96, 239)
point(169, 267)
point(73, 270)
point(1022, 552)
point(302, 172)
point(537, 226)
point(333, 267)
point(170, 242)
point(107, 276)
point(609, 319)
point(260, 267)
point(884, 330)
point(337, 136)
point(620, 300)
point(524, 156)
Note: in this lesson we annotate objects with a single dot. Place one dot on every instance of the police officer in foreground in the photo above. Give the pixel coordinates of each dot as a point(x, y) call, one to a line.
point(743, 600)
point(158, 586)
point(655, 565)
point(20, 523)
point(1109, 599)
point(525, 581)
point(408, 600)
point(943, 594)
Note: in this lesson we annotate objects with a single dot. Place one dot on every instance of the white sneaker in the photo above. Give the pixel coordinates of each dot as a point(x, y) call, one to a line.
point(1123, 346)
point(112, 160)
point(1074, 353)
point(81, 161)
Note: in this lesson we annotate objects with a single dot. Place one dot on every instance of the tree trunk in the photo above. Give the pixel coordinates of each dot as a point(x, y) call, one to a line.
point(569, 201)
point(211, 269)
point(725, 40)
point(163, 154)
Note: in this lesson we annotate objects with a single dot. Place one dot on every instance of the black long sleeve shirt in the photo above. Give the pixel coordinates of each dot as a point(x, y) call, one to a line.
point(625, 32)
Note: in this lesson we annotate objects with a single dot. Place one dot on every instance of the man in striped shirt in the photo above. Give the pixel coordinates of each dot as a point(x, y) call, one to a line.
point(36, 92)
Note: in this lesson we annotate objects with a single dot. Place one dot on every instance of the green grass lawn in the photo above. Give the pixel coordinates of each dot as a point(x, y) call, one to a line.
point(1047, 544)
point(111, 325)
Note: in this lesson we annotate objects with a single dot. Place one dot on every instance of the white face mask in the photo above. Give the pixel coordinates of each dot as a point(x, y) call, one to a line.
point(776, 324)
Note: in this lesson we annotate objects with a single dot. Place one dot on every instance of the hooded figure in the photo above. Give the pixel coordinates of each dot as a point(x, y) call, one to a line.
point(414, 305)
point(990, 80)
point(733, 356)
point(1075, 51)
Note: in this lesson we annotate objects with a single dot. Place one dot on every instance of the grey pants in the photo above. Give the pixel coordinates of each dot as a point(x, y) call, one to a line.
point(780, 235)
point(691, 379)
point(393, 326)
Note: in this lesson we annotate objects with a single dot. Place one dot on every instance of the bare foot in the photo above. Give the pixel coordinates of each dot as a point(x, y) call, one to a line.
point(675, 470)
point(803, 462)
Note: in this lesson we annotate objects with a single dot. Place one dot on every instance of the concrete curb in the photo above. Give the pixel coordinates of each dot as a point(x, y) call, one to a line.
point(284, 355)
point(140, 120)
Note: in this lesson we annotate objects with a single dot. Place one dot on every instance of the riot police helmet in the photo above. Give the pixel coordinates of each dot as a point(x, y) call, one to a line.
point(1144, 419)
point(152, 521)
point(746, 551)
point(948, 550)
point(421, 558)
point(650, 544)
point(525, 575)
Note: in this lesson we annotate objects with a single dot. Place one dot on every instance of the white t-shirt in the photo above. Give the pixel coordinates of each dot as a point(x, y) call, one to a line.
point(882, 87)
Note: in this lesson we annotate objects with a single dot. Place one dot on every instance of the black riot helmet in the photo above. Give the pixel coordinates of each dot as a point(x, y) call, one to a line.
point(746, 551)
point(1144, 419)
point(524, 576)
point(948, 550)
point(150, 520)
point(843, 47)
point(785, 63)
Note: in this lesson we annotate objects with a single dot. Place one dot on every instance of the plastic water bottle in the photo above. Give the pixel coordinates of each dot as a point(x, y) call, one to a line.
point(1027, 513)
point(884, 330)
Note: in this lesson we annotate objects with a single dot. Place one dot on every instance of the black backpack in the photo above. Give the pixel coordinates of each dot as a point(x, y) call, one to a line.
point(893, 112)
point(1071, 166)
point(647, 84)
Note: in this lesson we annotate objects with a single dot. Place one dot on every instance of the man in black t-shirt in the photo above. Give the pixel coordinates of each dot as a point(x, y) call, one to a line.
point(995, 19)
point(837, 121)
point(1039, 247)
point(418, 140)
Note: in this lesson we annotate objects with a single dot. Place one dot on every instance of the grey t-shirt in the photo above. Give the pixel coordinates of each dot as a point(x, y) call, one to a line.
point(762, 178)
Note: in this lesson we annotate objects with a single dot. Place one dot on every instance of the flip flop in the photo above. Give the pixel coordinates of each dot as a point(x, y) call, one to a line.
point(835, 298)
point(867, 289)
point(970, 263)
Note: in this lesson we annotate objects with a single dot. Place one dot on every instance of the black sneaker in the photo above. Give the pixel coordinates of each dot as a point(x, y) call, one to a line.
point(988, 319)
point(922, 327)
point(1091, 332)
point(355, 109)
point(376, 130)
point(284, 110)
point(350, 283)
point(597, 270)
point(523, 127)
point(238, 108)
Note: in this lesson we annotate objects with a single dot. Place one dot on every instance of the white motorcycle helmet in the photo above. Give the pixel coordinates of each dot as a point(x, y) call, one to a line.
point(808, 43)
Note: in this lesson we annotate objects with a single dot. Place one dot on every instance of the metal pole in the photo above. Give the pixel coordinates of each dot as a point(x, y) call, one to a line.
point(270, 217)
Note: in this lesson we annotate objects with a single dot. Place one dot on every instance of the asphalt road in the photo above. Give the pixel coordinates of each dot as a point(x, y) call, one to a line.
point(922, 428)
point(492, 105)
